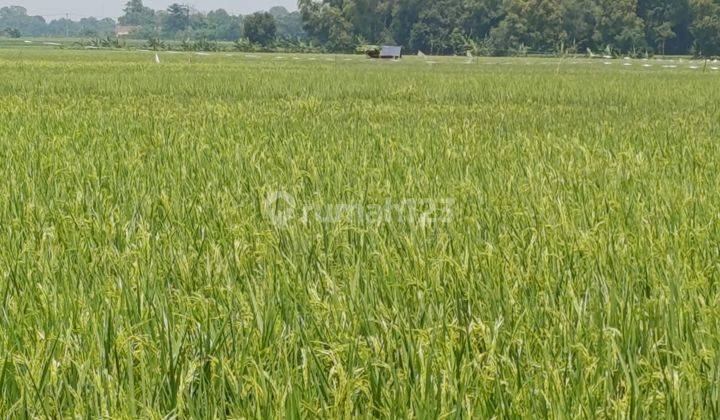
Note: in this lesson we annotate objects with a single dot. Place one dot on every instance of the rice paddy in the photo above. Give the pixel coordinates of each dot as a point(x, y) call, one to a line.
point(205, 236)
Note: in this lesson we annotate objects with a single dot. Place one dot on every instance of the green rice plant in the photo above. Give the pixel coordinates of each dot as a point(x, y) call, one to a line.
point(141, 274)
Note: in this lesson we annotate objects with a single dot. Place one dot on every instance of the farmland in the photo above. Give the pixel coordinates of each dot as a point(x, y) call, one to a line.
point(561, 256)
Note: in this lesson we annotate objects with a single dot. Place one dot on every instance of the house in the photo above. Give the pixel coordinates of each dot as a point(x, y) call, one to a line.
point(121, 30)
point(387, 51)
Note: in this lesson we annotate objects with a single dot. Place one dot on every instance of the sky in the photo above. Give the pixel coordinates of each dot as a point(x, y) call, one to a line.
point(54, 9)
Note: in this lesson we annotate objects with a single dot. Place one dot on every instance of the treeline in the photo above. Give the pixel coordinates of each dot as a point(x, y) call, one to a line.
point(181, 22)
point(177, 22)
point(15, 22)
point(518, 26)
point(484, 27)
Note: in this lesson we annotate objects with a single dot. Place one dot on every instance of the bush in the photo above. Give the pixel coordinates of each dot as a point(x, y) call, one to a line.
point(12, 33)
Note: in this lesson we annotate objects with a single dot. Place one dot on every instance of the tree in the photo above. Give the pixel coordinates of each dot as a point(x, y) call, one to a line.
point(578, 23)
point(260, 28)
point(326, 24)
point(367, 17)
point(63, 27)
point(176, 19)
point(405, 14)
point(12, 32)
point(667, 24)
point(437, 26)
point(536, 24)
point(93, 27)
point(136, 14)
point(706, 26)
point(661, 34)
point(222, 26)
point(619, 26)
point(289, 25)
point(446, 26)
point(433, 31)
point(16, 17)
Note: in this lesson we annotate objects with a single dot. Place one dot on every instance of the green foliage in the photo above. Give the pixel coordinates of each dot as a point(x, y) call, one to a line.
point(260, 28)
point(203, 45)
point(451, 26)
point(155, 44)
point(501, 27)
point(328, 26)
point(706, 26)
point(137, 14)
point(11, 33)
point(218, 25)
point(372, 51)
point(16, 17)
point(667, 24)
point(577, 276)
point(108, 42)
point(619, 26)
point(289, 24)
point(175, 20)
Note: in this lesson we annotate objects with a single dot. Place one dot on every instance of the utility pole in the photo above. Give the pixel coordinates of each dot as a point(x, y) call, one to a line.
point(67, 25)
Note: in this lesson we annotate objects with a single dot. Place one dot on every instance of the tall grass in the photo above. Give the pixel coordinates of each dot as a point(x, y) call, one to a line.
point(140, 276)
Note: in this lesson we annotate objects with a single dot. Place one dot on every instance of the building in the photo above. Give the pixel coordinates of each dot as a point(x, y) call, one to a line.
point(121, 30)
point(387, 51)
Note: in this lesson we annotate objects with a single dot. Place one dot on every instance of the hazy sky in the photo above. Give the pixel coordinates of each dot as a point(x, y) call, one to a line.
point(113, 8)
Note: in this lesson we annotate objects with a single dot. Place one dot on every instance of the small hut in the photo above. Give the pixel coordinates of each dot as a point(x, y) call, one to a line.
point(121, 30)
point(392, 52)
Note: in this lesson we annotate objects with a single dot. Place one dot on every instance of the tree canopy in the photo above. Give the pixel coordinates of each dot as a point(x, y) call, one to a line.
point(431, 26)
point(455, 26)
point(178, 21)
point(260, 28)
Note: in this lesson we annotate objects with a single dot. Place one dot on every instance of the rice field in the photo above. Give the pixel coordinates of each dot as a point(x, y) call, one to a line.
point(302, 236)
